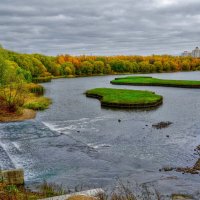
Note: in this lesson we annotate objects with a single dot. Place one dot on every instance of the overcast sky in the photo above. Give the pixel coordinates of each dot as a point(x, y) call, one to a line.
point(106, 27)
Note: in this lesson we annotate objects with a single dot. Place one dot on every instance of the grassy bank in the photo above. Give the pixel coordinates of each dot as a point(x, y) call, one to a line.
point(120, 98)
point(149, 81)
point(37, 103)
point(42, 79)
point(35, 99)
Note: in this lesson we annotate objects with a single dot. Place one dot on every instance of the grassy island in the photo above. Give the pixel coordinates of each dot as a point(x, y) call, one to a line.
point(149, 81)
point(120, 98)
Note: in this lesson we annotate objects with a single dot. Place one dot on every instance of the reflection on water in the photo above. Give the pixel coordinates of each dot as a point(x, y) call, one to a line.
point(78, 142)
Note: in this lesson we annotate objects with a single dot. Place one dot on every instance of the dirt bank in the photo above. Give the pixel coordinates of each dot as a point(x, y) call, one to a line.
point(26, 114)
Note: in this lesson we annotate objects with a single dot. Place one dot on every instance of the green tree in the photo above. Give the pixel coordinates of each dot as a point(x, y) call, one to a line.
point(118, 65)
point(2, 70)
point(144, 66)
point(38, 68)
point(158, 65)
point(67, 68)
point(87, 68)
point(135, 67)
point(12, 89)
point(107, 69)
point(128, 66)
point(98, 67)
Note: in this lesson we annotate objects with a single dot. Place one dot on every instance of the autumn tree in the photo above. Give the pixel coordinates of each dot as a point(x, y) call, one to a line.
point(185, 65)
point(166, 66)
point(144, 67)
point(158, 65)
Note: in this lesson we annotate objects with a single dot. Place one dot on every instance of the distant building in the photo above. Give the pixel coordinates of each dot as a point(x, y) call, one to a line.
point(195, 53)
point(186, 53)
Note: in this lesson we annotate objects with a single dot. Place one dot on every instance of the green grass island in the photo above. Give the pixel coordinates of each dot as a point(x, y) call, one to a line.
point(150, 81)
point(122, 98)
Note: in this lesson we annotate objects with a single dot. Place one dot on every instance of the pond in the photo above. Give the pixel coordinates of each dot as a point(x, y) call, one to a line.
point(76, 142)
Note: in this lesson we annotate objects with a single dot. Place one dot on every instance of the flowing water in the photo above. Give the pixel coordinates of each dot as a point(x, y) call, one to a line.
point(77, 142)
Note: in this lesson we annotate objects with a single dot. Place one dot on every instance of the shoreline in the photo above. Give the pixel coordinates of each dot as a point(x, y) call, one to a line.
point(26, 115)
point(113, 74)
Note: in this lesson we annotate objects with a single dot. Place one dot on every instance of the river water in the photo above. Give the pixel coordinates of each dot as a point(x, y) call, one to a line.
point(76, 142)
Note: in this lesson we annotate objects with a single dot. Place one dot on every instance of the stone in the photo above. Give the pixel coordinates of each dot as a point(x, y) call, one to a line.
point(181, 197)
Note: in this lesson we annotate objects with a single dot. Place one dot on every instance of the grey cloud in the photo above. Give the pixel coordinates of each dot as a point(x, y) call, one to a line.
point(100, 26)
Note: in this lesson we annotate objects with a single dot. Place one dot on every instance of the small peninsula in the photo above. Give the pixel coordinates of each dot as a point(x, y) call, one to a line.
point(150, 81)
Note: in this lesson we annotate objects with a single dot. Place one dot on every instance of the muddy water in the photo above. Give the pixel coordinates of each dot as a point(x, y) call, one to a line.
point(78, 142)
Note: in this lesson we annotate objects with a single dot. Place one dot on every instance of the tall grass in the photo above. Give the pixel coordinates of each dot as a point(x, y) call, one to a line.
point(42, 79)
point(52, 189)
point(37, 103)
point(35, 88)
point(13, 192)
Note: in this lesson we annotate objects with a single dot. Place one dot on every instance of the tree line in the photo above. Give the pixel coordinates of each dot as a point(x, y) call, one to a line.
point(30, 66)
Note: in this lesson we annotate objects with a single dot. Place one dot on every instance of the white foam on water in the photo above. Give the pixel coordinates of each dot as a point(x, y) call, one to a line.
point(55, 127)
point(16, 145)
point(51, 126)
point(66, 127)
point(99, 146)
point(19, 161)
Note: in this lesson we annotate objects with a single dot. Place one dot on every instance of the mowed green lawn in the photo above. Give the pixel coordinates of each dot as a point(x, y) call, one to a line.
point(122, 96)
point(142, 80)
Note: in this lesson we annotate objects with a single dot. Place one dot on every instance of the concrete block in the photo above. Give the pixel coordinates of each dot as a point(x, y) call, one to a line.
point(12, 177)
point(89, 193)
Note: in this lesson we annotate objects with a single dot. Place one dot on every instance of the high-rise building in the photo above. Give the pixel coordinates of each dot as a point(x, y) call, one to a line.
point(196, 53)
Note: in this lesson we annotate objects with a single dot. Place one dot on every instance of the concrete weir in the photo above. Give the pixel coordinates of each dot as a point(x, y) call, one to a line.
point(89, 193)
point(12, 177)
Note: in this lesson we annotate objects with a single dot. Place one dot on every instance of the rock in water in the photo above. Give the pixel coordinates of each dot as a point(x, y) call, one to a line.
point(161, 125)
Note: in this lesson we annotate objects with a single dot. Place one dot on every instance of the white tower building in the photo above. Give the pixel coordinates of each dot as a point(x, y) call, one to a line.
point(196, 53)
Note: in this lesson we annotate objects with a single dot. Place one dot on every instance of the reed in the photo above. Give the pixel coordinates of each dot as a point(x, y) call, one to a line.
point(35, 88)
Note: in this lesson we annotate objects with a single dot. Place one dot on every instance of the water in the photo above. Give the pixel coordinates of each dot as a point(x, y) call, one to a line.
point(76, 142)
